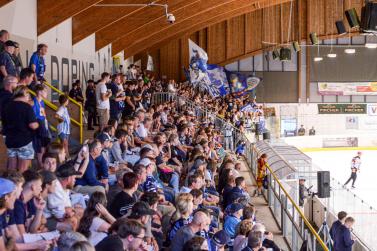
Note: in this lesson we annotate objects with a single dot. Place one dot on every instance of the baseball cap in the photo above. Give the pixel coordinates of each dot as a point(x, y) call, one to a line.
point(10, 43)
point(6, 186)
point(47, 176)
point(104, 137)
point(65, 170)
point(141, 208)
point(145, 162)
point(221, 238)
point(235, 207)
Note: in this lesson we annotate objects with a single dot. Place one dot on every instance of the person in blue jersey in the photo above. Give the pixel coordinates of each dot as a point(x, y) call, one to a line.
point(37, 63)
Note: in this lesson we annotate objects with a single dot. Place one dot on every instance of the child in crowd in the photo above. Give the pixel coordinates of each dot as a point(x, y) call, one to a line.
point(64, 126)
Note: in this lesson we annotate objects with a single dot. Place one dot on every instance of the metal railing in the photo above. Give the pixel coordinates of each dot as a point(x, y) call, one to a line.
point(294, 225)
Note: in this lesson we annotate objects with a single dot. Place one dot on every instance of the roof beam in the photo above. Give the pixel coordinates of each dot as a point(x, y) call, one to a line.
point(4, 2)
point(96, 18)
point(149, 17)
point(51, 13)
point(194, 23)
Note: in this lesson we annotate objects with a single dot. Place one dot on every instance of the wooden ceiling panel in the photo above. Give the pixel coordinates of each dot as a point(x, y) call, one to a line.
point(100, 17)
point(151, 18)
point(213, 17)
point(51, 13)
point(4, 2)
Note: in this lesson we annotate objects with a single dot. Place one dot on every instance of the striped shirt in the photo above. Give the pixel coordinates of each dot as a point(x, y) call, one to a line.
point(65, 126)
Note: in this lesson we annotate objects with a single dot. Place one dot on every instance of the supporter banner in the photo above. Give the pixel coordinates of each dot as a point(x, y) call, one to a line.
point(150, 66)
point(240, 84)
point(342, 108)
point(340, 142)
point(218, 79)
point(248, 108)
point(358, 88)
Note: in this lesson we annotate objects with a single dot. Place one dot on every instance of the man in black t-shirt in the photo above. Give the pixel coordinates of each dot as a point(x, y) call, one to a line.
point(19, 124)
point(125, 199)
point(10, 83)
point(129, 100)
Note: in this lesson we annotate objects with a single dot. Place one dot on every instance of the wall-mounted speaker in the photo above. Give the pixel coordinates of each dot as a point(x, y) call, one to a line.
point(275, 54)
point(323, 184)
point(352, 18)
point(296, 46)
point(285, 54)
point(369, 17)
point(313, 38)
point(340, 27)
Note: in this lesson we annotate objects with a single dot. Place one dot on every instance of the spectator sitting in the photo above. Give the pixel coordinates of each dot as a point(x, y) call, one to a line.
point(219, 240)
point(118, 186)
point(197, 243)
point(103, 161)
point(301, 131)
point(239, 190)
point(89, 183)
point(181, 217)
point(193, 182)
point(68, 239)
point(312, 131)
point(253, 243)
point(125, 199)
point(199, 222)
point(244, 228)
point(119, 147)
point(96, 220)
point(129, 236)
point(232, 220)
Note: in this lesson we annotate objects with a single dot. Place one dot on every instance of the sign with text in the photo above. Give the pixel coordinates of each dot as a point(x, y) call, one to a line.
point(341, 89)
point(342, 108)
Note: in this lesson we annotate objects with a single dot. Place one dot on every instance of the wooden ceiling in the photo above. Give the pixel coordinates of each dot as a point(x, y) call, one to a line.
point(128, 27)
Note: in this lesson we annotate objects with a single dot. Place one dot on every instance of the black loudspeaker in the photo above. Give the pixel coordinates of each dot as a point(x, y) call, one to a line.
point(340, 27)
point(323, 184)
point(266, 135)
point(369, 17)
point(313, 38)
point(285, 54)
point(352, 18)
point(296, 46)
point(275, 54)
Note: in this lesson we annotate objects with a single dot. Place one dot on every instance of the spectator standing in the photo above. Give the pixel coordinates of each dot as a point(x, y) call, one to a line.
point(42, 136)
point(90, 104)
point(117, 98)
point(334, 227)
point(76, 92)
point(343, 239)
point(4, 36)
point(19, 124)
point(10, 83)
point(17, 58)
point(103, 103)
point(26, 77)
point(64, 126)
point(301, 131)
point(7, 65)
point(37, 63)
point(261, 173)
point(312, 131)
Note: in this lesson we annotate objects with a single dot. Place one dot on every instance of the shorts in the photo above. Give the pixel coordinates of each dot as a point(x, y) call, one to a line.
point(104, 116)
point(25, 152)
point(63, 136)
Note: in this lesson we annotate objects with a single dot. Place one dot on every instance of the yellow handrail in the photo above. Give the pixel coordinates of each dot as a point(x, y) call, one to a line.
point(307, 223)
point(79, 123)
point(55, 108)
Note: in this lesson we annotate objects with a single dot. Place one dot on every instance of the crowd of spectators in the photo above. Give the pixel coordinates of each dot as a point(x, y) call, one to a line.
point(150, 178)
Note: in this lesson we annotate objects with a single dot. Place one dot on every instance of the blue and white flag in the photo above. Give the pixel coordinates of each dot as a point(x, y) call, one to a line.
point(198, 66)
point(218, 79)
point(248, 108)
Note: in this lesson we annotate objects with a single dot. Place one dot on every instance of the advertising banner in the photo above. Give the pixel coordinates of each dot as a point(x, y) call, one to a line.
point(351, 88)
point(342, 108)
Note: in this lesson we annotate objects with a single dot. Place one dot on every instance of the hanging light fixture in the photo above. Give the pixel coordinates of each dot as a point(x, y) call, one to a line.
point(350, 51)
point(331, 55)
point(371, 45)
point(318, 59)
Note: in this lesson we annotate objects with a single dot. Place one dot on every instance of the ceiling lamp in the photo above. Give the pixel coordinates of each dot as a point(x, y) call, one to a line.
point(350, 51)
point(331, 55)
point(318, 59)
point(371, 45)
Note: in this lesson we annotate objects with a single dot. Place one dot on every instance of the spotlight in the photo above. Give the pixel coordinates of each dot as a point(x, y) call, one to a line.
point(318, 59)
point(275, 54)
point(350, 51)
point(285, 54)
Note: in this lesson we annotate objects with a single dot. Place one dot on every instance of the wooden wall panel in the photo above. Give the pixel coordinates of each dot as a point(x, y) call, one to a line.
point(254, 30)
point(236, 36)
point(170, 60)
point(203, 38)
point(216, 42)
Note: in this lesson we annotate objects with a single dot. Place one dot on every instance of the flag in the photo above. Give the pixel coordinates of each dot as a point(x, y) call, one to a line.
point(240, 84)
point(218, 78)
point(198, 66)
point(248, 108)
point(150, 65)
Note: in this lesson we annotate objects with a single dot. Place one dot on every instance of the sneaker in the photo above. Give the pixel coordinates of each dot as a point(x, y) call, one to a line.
point(353, 187)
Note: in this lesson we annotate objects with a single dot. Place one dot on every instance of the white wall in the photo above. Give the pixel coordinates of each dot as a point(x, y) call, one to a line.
point(65, 62)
